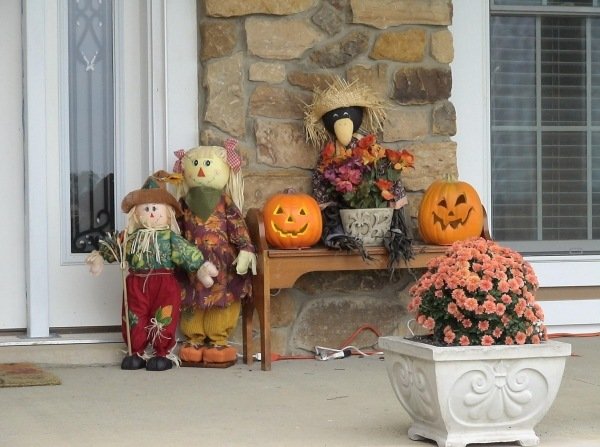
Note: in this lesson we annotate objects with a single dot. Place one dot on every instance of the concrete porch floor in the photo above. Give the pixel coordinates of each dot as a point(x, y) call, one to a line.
point(346, 402)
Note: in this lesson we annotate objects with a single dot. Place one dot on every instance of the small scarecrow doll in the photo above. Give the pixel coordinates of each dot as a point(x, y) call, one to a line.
point(343, 117)
point(152, 248)
point(211, 197)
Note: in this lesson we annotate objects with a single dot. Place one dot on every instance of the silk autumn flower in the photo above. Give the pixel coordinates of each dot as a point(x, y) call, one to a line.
point(366, 175)
point(479, 293)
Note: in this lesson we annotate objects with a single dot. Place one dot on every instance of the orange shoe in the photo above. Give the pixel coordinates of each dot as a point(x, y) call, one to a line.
point(190, 353)
point(220, 355)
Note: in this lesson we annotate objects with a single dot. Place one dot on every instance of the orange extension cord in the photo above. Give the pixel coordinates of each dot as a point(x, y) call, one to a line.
point(568, 334)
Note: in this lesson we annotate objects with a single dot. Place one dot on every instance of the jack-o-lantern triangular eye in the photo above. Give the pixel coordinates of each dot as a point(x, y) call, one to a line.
point(278, 210)
point(443, 203)
point(461, 200)
point(302, 212)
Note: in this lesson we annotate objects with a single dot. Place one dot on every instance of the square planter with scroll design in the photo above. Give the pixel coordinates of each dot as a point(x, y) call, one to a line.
point(474, 394)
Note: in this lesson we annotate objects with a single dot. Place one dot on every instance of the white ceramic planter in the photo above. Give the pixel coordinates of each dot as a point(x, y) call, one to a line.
point(367, 224)
point(474, 394)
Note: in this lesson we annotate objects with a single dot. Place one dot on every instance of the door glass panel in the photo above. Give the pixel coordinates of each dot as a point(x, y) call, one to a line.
point(91, 122)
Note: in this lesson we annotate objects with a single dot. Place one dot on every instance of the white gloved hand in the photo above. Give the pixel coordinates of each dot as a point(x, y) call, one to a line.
point(245, 260)
point(206, 273)
point(95, 262)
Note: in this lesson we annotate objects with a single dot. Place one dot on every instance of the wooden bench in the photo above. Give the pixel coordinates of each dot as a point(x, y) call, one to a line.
point(280, 269)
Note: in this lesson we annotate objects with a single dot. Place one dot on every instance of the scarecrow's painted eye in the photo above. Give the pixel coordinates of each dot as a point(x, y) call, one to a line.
point(154, 208)
point(147, 209)
point(195, 162)
point(207, 163)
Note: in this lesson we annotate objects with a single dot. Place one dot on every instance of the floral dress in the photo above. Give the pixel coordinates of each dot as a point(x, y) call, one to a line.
point(220, 238)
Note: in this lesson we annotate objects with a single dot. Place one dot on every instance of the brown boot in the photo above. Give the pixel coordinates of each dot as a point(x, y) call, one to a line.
point(191, 353)
point(220, 356)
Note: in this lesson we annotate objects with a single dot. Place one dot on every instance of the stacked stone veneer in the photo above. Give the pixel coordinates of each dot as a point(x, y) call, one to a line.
point(259, 63)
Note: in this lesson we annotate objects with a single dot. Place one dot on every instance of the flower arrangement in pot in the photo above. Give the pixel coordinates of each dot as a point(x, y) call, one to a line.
point(366, 175)
point(364, 180)
point(479, 293)
point(487, 371)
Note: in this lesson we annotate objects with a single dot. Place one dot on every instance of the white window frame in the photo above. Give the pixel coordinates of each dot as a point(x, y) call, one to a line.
point(470, 96)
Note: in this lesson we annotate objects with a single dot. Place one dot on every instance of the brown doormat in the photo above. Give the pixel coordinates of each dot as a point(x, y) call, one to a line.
point(25, 374)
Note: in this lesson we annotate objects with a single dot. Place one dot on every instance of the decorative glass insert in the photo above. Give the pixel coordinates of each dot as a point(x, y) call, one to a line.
point(545, 116)
point(91, 121)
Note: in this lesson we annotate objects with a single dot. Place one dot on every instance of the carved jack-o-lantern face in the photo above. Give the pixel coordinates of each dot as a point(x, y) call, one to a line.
point(450, 211)
point(292, 220)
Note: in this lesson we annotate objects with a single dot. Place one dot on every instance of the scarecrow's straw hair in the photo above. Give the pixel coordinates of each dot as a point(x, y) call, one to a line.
point(341, 93)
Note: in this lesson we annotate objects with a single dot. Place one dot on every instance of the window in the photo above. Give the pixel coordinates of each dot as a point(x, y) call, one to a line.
point(545, 125)
point(91, 122)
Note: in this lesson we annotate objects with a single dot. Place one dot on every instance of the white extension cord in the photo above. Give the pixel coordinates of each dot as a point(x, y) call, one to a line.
point(322, 353)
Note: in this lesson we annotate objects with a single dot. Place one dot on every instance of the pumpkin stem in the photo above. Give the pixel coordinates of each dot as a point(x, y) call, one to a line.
point(289, 190)
point(450, 177)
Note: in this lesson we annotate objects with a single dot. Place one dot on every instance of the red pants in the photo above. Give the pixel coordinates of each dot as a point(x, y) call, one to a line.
point(153, 298)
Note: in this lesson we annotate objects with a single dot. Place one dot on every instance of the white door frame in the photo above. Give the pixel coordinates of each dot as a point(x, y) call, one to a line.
point(171, 114)
point(34, 113)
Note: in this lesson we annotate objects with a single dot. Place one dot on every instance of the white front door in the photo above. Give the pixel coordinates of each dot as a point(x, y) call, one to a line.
point(12, 236)
point(145, 131)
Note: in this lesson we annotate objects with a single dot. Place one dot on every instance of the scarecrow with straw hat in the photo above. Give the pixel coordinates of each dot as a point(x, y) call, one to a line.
point(151, 248)
point(343, 120)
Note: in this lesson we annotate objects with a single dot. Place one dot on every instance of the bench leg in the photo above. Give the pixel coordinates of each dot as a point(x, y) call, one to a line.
point(247, 342)
point(262, 301)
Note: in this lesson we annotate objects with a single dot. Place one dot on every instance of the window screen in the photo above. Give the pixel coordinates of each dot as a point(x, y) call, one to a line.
point(545, 117)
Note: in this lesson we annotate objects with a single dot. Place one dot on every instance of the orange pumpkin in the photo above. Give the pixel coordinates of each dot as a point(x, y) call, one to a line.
point(292, 220)
point(450, 211)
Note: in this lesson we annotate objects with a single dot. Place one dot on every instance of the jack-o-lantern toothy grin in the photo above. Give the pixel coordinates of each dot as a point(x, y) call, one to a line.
point(290, 233)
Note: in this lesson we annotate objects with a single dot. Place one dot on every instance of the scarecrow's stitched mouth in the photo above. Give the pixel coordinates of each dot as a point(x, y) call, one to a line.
point(284, 233)
point(453, 223)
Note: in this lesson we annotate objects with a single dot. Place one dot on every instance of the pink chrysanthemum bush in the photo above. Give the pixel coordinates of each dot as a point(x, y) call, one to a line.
point(479, 293)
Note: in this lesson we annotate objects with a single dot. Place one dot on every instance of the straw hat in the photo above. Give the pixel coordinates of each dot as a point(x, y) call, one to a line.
point(341, 93)
point(153, 191)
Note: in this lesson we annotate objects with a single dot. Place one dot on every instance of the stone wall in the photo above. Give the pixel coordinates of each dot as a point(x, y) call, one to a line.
point(261, 60)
